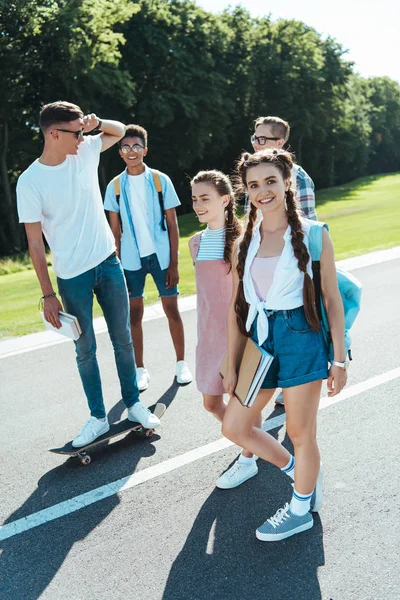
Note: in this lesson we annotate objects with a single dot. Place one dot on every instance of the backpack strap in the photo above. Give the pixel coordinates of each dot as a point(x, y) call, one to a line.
point(315, 246)
point(315, 239)
point(158, 186)
point(117, 187)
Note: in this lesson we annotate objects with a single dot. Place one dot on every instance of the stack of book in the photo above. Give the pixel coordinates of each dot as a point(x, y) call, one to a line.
point(252, 366)
point(69, 325)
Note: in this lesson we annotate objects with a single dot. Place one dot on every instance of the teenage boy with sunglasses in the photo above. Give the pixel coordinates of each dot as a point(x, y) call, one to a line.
point(145, 228)
point(59, 196)
point(273, 132)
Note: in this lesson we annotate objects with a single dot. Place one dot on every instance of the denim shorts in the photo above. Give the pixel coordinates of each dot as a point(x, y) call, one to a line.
point(135, 280)
point(299, 352)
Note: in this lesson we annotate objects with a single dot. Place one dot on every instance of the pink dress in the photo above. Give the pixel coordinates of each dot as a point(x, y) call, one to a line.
point(214, 291)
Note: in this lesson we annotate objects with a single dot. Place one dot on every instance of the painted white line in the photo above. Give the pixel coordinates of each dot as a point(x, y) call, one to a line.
point(367, 260)
point(43, 339)
point(69, 506)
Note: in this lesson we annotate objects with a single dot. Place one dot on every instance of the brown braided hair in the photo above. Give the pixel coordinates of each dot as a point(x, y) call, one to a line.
point(284, 162)
point(222, 185)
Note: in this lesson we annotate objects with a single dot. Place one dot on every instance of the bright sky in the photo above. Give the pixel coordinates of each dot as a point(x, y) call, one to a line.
point(369, 29)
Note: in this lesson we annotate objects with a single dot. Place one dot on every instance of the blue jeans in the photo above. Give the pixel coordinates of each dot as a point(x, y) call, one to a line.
point(108, 283)
point(299, 352)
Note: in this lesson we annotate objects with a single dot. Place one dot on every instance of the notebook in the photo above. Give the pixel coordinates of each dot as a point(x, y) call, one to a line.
point(69, 325)
point(252, 367)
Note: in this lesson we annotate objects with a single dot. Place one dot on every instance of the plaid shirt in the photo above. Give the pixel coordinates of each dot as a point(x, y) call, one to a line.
point(305, 192)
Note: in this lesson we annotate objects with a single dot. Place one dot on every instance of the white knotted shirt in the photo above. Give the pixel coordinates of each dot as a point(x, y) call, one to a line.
point(286, 291)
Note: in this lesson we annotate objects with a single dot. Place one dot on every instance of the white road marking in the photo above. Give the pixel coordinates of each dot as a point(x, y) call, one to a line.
point(69, 506)
point(43, 339)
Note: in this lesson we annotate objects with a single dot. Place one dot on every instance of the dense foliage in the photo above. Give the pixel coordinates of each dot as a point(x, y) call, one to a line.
point(195, 80)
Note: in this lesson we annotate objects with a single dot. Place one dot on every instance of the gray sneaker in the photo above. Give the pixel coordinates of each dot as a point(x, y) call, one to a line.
point(316, 498)
point(283, 524)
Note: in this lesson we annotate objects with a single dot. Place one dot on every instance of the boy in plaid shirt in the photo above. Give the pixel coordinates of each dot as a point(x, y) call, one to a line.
point(273, 132)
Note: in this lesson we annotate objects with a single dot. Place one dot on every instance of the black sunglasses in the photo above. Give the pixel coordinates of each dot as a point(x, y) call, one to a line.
point(262, 139)
point(77, 134)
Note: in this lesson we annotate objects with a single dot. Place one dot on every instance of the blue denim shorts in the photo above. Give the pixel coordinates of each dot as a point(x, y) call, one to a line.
point(299, 352)
point(135, 280)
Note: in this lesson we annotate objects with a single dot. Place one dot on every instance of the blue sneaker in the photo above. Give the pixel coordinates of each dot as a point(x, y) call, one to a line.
point(283, 524)
point(316, 498)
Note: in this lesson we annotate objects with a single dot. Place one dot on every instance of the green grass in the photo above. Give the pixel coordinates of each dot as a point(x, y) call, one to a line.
point(363, 216)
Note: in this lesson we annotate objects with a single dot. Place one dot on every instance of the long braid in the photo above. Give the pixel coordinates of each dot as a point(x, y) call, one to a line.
point(302, 255)
point(241, 305)
point(232, 232)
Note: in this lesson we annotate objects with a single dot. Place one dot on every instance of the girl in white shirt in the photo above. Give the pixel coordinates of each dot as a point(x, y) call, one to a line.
point(273, 301)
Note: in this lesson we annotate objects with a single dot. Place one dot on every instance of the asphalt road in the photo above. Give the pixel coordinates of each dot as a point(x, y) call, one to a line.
point(175, 536)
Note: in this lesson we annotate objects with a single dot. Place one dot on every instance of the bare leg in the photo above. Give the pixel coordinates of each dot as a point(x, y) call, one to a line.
point(170, 306)
point(238, 426)
point(136, 315)
point(216, 406)
point(257, 423)
point(301, 425)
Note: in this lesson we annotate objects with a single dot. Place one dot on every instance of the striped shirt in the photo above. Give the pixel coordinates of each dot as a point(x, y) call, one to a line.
point(212, 244)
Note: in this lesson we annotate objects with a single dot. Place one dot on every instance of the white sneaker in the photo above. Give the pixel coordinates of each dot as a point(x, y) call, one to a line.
point(138, 413)
point(91, 430)
point(183, 375)
point(143, 378)
point(279, 399)
point(236, 475)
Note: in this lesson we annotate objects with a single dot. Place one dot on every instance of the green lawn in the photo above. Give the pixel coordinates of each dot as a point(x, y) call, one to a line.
point(363, 216)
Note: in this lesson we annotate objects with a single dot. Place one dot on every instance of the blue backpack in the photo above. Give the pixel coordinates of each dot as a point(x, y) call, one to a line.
point(349, 287)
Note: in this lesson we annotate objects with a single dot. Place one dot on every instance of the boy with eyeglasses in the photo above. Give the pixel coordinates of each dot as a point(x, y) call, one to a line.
point(59, 196)
point(141, 204)
point(273, 132)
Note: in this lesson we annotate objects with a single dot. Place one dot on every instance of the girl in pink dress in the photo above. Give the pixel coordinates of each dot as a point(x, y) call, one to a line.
point(211, 250)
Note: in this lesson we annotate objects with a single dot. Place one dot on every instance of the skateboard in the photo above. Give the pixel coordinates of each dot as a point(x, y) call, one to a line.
point(116, 429)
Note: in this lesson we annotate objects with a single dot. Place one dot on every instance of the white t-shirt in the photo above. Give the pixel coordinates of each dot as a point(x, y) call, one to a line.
point(66, 199)
point(139, 208)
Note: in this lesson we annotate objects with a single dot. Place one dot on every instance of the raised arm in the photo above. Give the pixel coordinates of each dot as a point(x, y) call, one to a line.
point(51, 306)
point(112, 131)
point(334, 310)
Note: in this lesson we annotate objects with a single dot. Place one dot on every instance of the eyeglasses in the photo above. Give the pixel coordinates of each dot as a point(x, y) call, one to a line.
point(135, 148)
point(77, 134)
point(262, 139)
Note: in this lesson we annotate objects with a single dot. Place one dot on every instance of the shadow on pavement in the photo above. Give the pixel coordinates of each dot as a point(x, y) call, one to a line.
point(222, 559)
point(20, 577)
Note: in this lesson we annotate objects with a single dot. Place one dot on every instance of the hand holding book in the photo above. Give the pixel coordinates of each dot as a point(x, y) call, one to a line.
point(253, 363)
point(51, 308)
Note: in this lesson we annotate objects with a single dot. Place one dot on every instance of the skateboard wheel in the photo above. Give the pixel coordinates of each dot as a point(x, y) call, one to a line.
point(149, 432)
point(86, 460)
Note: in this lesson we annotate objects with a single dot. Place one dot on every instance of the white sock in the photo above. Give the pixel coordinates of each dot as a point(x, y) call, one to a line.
point(300, 503)
point(245, 460)
point(289, 468)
